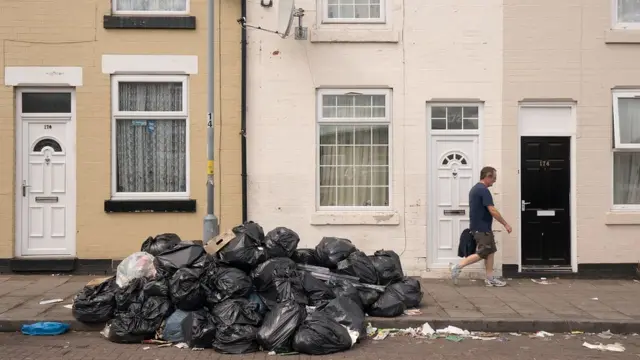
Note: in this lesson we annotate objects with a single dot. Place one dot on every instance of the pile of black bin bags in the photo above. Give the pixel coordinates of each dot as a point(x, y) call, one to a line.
point(252, 295)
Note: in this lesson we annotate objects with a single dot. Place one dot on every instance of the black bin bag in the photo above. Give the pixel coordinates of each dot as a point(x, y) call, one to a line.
point(305, 256)
point(358, 264)
point(238, 312)
point(236, 339)
point(245, 251)
point(388, 266)
point(343, 288)
point(346, 312)
point(408, 291)
point(95, 304)
point(225, 283)
point(318, 292)
point(331, 250)
point(161, 243)
point(185, 254)
point(368, 297)
point(279, 326)
point(199, 329)
point(185, 289)
point(289, 286)
point(321, 335)
point(389, 304)
point(264, 278)
point(281, 242)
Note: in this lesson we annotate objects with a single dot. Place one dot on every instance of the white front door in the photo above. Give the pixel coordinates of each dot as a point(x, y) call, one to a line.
point(454, 170)
point(46, 178)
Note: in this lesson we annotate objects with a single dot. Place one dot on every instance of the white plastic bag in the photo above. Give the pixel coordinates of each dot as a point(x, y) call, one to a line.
point(136, 265)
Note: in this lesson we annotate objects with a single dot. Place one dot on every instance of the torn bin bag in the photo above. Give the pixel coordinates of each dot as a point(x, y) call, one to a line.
point(346, 312)
point(321, 335)
point(281, 242)
point(358, 264)
point(184, 286)
point(199, 329)
point(388, 266)
point(185, 254)
point(305, 256)
point(245, 251)
point(236, 339)
point(161, 243)
point(331, 250)
point(237, 311)
point(279, 326)
point(95, 304)
point(225, 283)
point(317, 291)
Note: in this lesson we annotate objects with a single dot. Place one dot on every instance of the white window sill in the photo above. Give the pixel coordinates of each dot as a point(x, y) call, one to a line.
point(621, 217)
point(351, 35)
point(622, 36)
point(355, 218)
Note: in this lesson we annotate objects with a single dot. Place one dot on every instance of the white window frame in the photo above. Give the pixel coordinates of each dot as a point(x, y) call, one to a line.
point(456, 131)
point(618, 24)
point(327, 20)
point(116, 114)
point(618, 147)
point(114, 9)
point(387, 120)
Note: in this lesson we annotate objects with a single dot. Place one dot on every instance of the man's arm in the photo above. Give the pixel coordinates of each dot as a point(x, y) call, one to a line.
point(496, 215)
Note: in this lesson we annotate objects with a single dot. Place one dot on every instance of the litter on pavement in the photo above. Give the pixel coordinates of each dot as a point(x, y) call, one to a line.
point(247, 291)
point(617, 347)
point(52, 301)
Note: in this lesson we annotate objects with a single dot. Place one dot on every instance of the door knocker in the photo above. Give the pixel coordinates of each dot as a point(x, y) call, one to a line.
point(454, 173)
point(47, 160)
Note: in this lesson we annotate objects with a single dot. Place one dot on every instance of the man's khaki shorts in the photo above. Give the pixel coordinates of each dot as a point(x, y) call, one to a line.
point(485, 243)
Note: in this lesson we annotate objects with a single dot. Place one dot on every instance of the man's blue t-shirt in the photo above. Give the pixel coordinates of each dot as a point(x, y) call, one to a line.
point(480, 218)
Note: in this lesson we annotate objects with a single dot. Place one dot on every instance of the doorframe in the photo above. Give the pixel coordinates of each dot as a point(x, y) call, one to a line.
point(70, 162)
point(431, 134)
point(571, 133)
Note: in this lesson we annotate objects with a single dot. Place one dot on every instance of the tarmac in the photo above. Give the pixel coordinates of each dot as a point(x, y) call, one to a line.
point(559, 305)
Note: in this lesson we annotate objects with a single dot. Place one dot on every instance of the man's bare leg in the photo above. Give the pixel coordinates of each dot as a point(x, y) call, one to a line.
point(488, 266)
point(455, 269)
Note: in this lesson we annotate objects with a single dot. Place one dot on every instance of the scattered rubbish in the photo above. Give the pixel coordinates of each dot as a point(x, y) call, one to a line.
point(515, 334)
point(452, 330)
point(381, 335)
point(52, 301)
point(146, 348)
point(181, 345)
point(45, 329)
point(636, 281)
point(617, 347)
point(542, 281)
point(427, 330)
point(413, 312)
point(596, 299)
point(577, 332)
point(197, 349)
point(69, 306)
point(605, 335)
point(454, 338)
point(543, 334)
point(485, 338)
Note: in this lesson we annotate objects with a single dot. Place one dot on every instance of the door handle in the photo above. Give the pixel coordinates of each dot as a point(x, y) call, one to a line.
point(24, 188)
point(524, 204)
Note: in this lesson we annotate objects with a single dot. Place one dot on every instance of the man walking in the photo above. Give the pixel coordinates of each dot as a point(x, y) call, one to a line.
point(481, 215)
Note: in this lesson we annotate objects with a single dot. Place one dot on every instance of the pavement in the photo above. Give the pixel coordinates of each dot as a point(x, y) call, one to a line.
point(523, 306)
point(14, 346)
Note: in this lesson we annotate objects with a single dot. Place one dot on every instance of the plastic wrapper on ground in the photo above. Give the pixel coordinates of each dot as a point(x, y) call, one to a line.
point(161, 243)
point(331, 250)
point(279, 326)
point(236, 339)
point(186, 292)
point(388, 266)
point(281, 242)
point(199, 329)
point(185, 254)
point(245, 251)
point(305, 256)
point(359, 265)
point(238, 312)
point(95, 304)
point(137, 265)
point(346, 312)
point(321, 335)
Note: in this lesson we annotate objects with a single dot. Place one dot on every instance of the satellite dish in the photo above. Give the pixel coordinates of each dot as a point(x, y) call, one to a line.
point(286, 12)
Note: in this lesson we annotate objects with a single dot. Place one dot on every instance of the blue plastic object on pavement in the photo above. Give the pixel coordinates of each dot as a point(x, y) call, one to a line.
point(45, 329)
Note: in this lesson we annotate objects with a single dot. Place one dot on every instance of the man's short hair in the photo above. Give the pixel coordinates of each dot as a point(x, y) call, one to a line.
point(486, 172)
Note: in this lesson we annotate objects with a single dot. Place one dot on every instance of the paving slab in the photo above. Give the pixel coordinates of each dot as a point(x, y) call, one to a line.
point(565, 305)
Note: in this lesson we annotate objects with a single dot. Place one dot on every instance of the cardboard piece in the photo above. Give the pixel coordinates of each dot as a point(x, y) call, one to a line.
point(98, 281)
point(217, 243)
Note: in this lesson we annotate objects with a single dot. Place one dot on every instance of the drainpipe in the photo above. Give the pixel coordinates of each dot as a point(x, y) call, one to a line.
point(243, 113)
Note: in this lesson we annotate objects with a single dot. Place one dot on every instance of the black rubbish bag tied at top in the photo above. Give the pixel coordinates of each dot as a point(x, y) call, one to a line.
point(396, 298)
point(185, 289)
point(305, 256)
point(388, 266)
point(95, 304)
point(318, 292)
point(199, 329)
point(279, 326)
point(161, 243)
point(346, 312)
point(331, 250)
point(289, 286)
point(224, 282)
point(264, 278)
point(408, 291)
point(358, 264)
point(281, 242)
point(237, 323)
point(245, 251)
point(321, 335)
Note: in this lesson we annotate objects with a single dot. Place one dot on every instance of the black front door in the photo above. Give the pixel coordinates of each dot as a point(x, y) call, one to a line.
point(545, 198)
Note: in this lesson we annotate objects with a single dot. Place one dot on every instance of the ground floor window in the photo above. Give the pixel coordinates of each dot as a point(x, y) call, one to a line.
point(150, 130)
point(354, 148)
point(626, 153)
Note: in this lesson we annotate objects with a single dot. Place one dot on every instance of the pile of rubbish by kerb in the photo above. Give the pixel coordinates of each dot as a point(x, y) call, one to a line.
point(245, 291)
